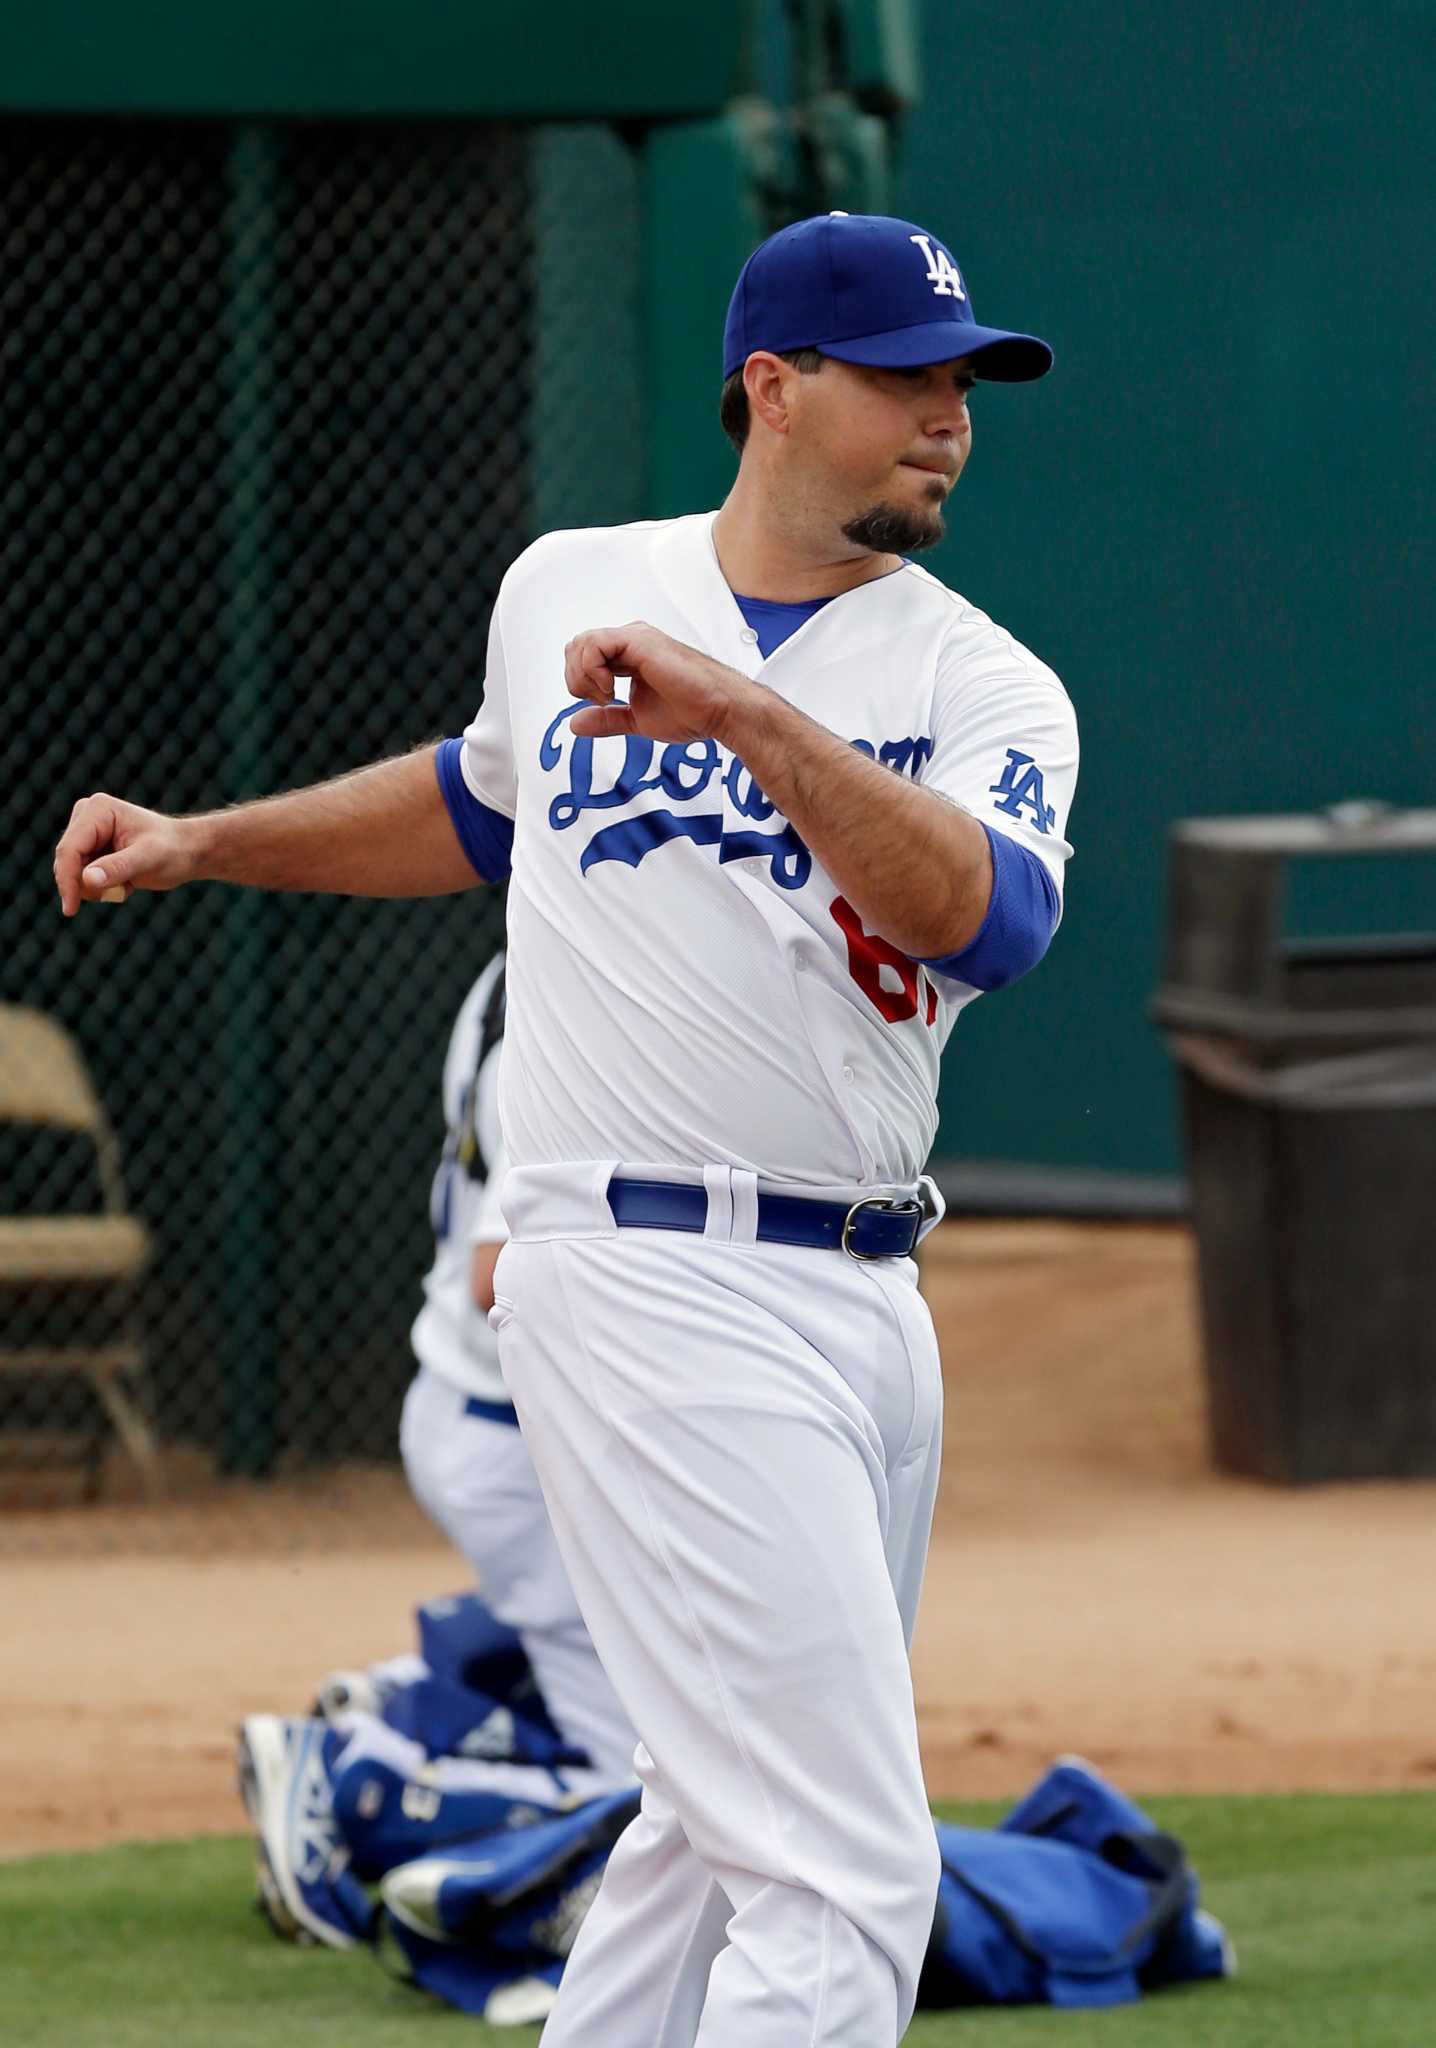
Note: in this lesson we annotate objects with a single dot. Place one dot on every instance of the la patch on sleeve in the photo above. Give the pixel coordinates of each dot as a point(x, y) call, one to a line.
point(1020, 791)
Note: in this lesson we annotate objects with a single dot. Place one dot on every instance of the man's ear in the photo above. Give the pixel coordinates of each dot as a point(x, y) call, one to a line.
point(767, 381)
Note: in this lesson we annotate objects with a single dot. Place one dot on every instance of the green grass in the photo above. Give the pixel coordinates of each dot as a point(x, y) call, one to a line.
point(1332, 1902)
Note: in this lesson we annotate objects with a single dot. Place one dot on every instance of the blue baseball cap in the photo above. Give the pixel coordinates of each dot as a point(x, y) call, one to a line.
point(868, 289)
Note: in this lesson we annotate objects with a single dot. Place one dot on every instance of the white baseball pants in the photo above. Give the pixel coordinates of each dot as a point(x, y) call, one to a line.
point(475, 1479)
point(738, 1444)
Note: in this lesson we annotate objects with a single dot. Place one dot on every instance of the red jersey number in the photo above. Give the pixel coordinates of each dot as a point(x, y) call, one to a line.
point(868, 955)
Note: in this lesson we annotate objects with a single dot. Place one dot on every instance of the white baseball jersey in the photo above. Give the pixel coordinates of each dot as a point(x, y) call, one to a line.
point(686, 984)
point(451, 1336)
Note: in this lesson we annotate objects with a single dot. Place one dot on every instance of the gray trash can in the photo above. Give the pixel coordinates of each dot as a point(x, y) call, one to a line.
point(1308, 1078)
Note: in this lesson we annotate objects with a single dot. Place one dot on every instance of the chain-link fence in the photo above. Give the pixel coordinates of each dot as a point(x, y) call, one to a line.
point(279, 405)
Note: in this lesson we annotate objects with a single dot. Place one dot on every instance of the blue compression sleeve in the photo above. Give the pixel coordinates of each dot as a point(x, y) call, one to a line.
point(1019, 924)
point(486, 835)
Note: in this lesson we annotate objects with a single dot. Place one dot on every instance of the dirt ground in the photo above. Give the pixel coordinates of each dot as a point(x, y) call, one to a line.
point(1094, 1586)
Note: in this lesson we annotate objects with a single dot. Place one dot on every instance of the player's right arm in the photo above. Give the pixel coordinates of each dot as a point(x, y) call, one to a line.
point(384, 830)
point(424, 824)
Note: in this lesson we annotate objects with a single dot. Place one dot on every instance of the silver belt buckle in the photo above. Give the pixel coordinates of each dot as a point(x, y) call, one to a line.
point(869, 1202)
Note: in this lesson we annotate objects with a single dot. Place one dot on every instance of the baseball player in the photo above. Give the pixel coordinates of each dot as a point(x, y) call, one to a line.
point(465, 1460)
point(808, 805)
point(459, 1435)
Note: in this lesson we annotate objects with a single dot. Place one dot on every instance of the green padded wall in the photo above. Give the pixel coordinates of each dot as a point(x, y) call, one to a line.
point(701, 220)
point(338, 57)
point(1213, 519)
point(1210, 519)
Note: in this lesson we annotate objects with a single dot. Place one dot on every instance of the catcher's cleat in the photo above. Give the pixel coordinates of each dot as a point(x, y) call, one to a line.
point(521, 2004)
point(307, 1892)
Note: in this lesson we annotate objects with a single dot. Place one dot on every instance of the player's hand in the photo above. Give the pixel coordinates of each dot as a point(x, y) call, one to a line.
point(111, 848)
point(674, 693)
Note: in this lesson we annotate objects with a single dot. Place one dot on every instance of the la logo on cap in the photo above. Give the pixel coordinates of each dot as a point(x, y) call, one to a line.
point(942, 272)
point(868, 288)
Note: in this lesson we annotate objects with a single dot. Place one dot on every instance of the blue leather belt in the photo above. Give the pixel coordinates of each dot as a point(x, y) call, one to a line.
point(876, 1228)
point(492, 1411)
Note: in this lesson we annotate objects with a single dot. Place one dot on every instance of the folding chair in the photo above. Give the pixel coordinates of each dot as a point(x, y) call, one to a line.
point(44, 1084)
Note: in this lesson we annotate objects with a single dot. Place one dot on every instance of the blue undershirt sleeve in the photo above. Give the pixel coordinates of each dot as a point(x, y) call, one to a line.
point(1020, 920)
point(486, 835)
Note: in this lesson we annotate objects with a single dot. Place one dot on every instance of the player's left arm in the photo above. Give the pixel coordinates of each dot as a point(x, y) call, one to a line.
point(919, 869)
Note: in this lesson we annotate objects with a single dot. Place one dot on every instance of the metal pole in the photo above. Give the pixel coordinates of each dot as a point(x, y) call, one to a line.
point(249, 1148)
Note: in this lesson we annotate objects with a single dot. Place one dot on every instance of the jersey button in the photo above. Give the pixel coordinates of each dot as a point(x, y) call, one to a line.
point(848, 1074)
point(749, 635)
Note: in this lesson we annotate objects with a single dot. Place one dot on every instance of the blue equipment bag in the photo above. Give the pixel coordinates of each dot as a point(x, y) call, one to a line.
point(463, 1640)
point(457, 1720)
point(481, 1698)
point(483, 1913)
point(388, 1818)
point(1077, 1899)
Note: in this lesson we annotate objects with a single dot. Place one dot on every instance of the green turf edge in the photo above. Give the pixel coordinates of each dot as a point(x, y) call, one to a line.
point(1331, 1899)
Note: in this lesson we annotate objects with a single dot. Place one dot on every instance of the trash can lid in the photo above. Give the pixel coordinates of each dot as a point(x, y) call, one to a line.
point(1359, 826)
point(1229, 967)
